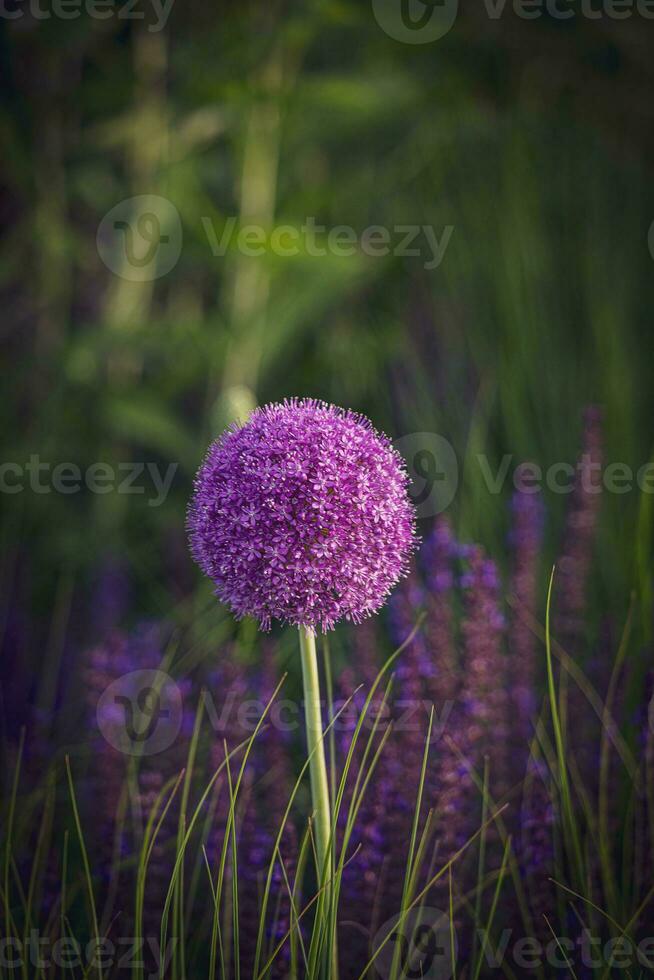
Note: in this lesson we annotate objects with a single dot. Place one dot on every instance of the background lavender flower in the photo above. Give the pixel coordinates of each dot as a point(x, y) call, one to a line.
point(576, 555)
point(116, 842)
point(110, 598)
point(535, 845)
point(262, 802)
point(364, 875)
point(104, 663)
point(571, 582)
point(525, 540)
point(302, 515)
point(484, 684)
point(447, 779)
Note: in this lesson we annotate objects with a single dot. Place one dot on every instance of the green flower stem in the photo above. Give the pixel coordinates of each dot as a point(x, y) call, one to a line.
point(315, 745)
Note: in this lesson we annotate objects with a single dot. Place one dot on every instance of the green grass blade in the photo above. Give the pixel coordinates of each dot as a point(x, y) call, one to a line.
point(85, 861)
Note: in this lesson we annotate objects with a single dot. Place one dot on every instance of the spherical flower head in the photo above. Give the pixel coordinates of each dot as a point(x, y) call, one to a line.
point(302, 515)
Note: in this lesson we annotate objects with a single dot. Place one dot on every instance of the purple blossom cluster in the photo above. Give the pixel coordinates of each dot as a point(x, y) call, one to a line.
point(302, 515)
point(525, 543)
point(455, 661)
point(477, 659)
point(263, 800)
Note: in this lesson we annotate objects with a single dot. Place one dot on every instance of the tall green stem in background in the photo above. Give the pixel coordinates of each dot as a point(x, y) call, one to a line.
point(316, 749)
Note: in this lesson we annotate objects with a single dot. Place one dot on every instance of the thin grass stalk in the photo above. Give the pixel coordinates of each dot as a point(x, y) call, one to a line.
point(231, 816)
point(85, 861)
point(44, 825)
point(414, 834)
point(352, 815)
point(568, 811)
point(592, 696)
point(119, 826)
point(9, 832)
point(358, 794)
point(147, 846)
point(234, 858)
point(355, 736)
point(178, 901)
point(603, 804)
point(558, 943)
point(266, 894)
point(455, 857)
point(523, 905)
point(451, 914)
point(285, 937)
point(482, 856)
point(491, 914)
point(200, 862)
point(64, 886)
point(292, 913)
point(187, 836)
point(296, 935)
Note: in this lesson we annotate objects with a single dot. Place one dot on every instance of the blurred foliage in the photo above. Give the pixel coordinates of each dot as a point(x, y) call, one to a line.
point(529, 137)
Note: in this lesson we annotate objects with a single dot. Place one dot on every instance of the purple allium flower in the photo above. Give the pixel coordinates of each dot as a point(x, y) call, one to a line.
point(302, 515)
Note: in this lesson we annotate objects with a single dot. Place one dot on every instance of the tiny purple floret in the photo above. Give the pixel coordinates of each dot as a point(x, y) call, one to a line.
point(302, 515)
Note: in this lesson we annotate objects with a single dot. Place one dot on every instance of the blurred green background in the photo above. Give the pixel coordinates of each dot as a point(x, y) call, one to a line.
point(533, 139)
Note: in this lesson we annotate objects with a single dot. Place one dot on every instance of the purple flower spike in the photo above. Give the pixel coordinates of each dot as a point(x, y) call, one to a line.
point(302, 515)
